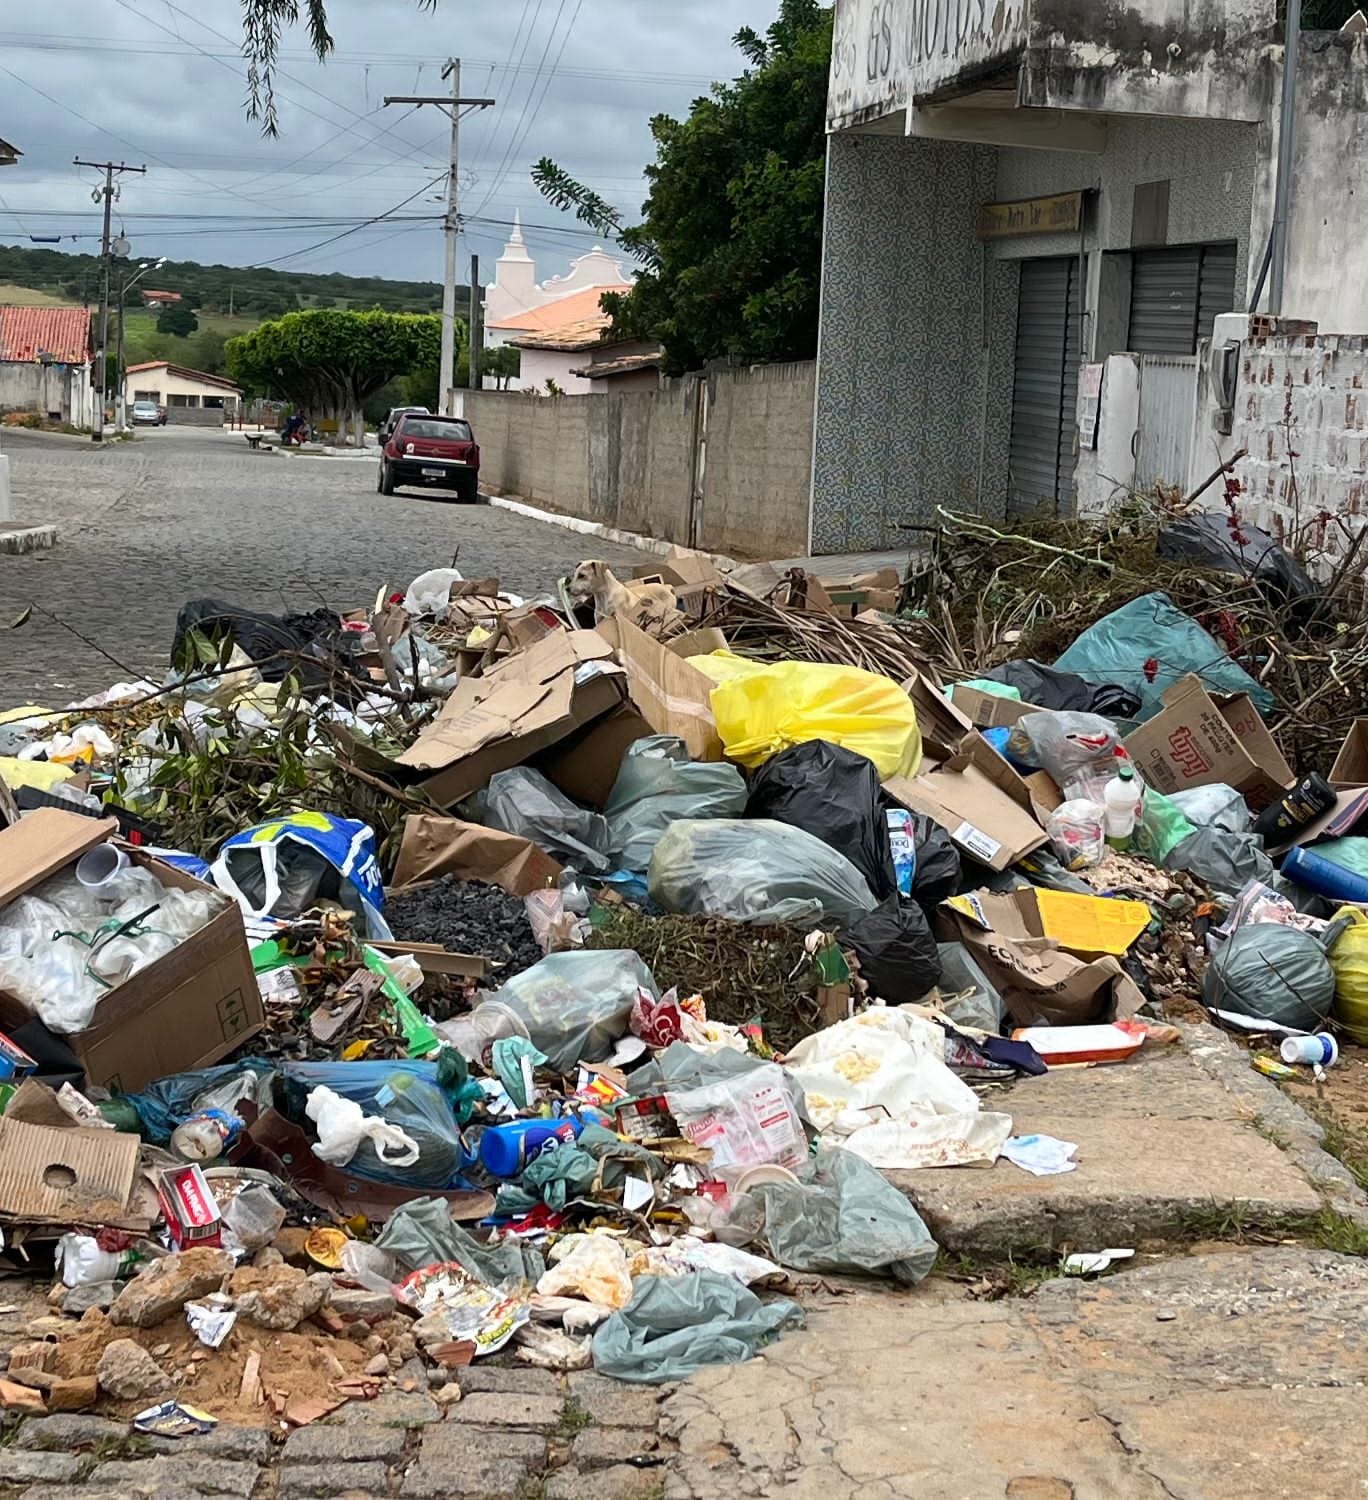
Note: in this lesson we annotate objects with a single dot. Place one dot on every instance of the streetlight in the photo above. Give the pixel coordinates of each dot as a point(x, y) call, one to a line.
point(120, 401)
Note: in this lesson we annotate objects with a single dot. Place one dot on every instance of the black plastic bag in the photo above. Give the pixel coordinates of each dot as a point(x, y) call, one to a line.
point(833, 794)
point(1048, 687)
point(897, 951)
point(939, 871)
point(274, 642)
point(1210, 539)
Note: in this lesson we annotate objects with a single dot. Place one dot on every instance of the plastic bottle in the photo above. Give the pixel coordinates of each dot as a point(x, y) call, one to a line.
point(1121, 800)
point(1284, 819)
point(205, 1136)
point(506, 1149)
point(1324, 876)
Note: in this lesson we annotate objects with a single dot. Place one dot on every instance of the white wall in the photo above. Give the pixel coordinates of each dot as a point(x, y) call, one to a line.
point(541, 365)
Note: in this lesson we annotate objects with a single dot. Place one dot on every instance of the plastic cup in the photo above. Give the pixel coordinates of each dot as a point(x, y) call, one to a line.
point(1320, 1049)
point(100, 866)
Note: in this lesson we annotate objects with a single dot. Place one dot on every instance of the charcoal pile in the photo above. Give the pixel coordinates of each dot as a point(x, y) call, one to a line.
point(466, 916)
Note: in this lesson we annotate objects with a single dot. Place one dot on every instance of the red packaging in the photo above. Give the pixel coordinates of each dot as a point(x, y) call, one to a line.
point(192, 1214)
point(645, 1120)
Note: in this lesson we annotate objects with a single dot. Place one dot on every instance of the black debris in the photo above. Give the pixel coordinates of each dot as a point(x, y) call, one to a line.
point(466, 916)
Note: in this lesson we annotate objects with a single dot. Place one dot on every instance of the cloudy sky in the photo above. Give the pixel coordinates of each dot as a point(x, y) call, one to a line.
point(160, 82)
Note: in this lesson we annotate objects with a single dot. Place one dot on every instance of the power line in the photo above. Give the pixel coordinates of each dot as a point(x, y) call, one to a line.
point(379, 218)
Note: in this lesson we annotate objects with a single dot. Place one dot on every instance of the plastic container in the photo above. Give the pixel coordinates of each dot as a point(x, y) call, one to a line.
point(205, 1136)
point(1121, 805)
point(1317, 1050)
point(1079, 1044)
point(101, 866)
point(506, 1149)
point(1324, 876)
point(1285, 819)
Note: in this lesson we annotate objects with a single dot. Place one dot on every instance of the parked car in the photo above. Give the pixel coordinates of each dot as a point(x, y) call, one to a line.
point(436, 452)
point(392, 420)
point(147, 414)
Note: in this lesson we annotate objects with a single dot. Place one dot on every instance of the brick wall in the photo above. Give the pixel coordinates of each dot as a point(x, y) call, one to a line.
point(1301, 410)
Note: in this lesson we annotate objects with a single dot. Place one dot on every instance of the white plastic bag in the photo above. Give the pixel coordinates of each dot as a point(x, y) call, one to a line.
point(745, 1120)
point(593, 1267)
point(342, 1127)
point(430, 592)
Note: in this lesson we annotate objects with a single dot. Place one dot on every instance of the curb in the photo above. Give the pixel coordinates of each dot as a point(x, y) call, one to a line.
point(597, 529)
point(27, 539)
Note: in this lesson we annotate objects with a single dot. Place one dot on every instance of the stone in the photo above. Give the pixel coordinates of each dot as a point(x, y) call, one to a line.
point(129, 1373)
point(39, 1468)
point(518, 1382)
point(75, 1394)
point(47, 1327)
point(344, 1445)
point(201, 1476)
point(35, 1379)
point(456, 1442)
point(267, 1257)
point(507, 1409)
point(65, 1432)
point(378, 1364)
point(358, 1304)
point(79, 1299)
point(299, 1482)
point(448, 1394)
point(245, 1444)
point(621, 1482)
point(37, 1356)
point(163, 1289)
point(609, 1403)
point(279, 1297)
point(480, 1479)
point(390, 1409)
point(597, 1447)
point(15, 1397)
point(404, 1347)
point(374, 1344)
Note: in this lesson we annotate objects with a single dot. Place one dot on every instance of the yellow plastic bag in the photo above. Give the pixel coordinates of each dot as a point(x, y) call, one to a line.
point(763, 709)
point(42, 775)
point(1349, 960)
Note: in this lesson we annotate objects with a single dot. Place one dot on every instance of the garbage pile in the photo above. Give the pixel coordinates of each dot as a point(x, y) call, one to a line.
point(562, 978)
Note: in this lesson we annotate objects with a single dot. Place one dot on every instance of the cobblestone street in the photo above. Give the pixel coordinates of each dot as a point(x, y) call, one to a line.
point(183, 513)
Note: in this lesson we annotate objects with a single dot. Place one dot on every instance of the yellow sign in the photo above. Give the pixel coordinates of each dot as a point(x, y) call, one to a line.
point(1058, 215)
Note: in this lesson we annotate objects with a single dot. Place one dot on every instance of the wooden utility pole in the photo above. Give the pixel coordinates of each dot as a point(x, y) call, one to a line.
point(457, 107)
point(109, 168)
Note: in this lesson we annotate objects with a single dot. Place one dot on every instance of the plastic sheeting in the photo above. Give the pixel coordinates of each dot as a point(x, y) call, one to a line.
point(675, 1325)
point(842, 1216)
point(659, 784)
point(1147, 645)
point(1048, 687)
point(422, 1233)
point(833, 793)
point(755, 870)
point(524, 802)
point(576, 1005)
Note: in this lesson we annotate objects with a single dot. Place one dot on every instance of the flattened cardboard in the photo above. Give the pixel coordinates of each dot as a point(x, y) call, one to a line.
point(585, 764)
point(1198, 740)
point(187, 1010)
point(50, 1175)
point(672, 696)
point(979, 800)
point(432, 958)
point(1351, 764)
point(698, 642)
point(943, 726)
point(43, 842)
point(989, 710)
point(687, 571)
point(1040, 984)
point(521, 706)
point(433, 846)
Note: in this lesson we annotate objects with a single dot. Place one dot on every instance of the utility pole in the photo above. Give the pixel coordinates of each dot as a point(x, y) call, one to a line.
point(457, 107)
point(1287, 129)
point(476, 333)
point(109, 168)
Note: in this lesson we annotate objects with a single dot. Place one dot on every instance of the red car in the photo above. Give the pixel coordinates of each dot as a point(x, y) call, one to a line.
point(439, 453)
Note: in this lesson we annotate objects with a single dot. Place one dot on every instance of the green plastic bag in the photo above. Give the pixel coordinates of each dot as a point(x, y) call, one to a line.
point(1162, 827)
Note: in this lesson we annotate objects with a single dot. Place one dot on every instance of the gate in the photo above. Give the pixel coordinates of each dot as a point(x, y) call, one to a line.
point(1168, 415)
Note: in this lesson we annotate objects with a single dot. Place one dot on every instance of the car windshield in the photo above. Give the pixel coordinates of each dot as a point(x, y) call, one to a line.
point(144, 406)
point(453, 429)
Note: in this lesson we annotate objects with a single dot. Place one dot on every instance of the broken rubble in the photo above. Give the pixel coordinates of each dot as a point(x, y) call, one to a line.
point(163, 1289)
point(129, 1373)
point(279, 1297)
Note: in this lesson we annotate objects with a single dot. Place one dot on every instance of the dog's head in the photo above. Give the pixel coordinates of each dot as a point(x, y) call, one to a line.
point(588, 579)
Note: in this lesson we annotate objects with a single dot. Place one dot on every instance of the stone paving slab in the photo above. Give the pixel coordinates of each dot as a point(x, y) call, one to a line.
point(1162, 1145)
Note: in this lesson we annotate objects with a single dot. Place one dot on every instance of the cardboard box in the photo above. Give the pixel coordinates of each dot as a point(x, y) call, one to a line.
point(187, 1010)
point(520, 707)
point(672, 696)
point(1351, 764)
point(686, 570)
point(191, 1210)
point(698, 642)
point(989, 710)
point(943, 726)
point(433, 846)
point(1198, 740)
point(979, 800)
point(1039, 982)
point(585, 765)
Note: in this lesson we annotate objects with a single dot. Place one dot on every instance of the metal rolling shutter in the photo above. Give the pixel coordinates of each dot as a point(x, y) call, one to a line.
point(1176, 293)
point(1044, 396)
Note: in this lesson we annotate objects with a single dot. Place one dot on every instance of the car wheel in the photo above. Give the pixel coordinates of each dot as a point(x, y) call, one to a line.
point(385, 483)
point(468, 491)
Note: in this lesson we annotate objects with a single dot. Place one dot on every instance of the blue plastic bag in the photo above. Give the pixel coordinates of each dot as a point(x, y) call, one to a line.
point(266, 869)
point(1151, 629)
point(169, 1102)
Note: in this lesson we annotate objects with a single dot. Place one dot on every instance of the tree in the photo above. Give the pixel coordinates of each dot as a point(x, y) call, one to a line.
point(732, 234)
point(329, 362)
point(178, 319)
point(504, 362)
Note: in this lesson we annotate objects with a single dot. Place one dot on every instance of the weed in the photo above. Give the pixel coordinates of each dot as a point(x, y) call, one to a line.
point(1270, 1132)
point(573, 1420)
point(1343, 1142)
point(129, 1446)
point(993, 1280)
point(1332, 1230)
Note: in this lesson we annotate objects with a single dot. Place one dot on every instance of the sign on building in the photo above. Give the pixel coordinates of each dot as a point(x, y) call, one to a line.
point(1060, 214)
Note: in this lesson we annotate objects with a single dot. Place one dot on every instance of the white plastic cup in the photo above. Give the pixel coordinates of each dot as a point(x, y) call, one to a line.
point(1319, 1050)
point(99, 866)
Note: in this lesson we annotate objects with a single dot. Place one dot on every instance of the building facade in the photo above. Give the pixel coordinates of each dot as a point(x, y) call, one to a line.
point(515, 296)
point(1036, 211)
point(45, 362)
point(191, 397)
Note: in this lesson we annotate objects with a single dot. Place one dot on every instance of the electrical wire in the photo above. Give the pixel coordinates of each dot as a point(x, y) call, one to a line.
point(379, 218)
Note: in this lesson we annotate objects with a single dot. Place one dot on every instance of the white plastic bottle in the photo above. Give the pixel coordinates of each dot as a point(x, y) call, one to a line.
point(1121, 799)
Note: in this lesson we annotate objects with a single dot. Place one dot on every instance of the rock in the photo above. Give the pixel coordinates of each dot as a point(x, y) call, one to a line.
point(357, 1304)
point(74, 1394)
point(267, 1257)
point(379, 1365)
point(405, 1347)
point(129, 1373)
point(448, 1394)
point(21, 1398)
point(48, 1327)
point(40, 1356)
point(374, 1344)
point(163, 1289)
point(34, 1378)
point(278, 1297)
point(360, 1333)
point(100, 1294)
point(290, 1244)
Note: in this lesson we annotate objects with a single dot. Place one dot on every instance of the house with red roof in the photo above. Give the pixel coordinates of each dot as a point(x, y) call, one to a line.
point(45, 362)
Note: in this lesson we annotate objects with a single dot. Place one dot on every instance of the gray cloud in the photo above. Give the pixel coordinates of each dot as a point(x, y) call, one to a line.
point(131, 80)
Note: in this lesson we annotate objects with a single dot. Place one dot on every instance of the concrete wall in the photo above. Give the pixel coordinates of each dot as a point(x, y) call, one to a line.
point(628, 459)
point(29, 386)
